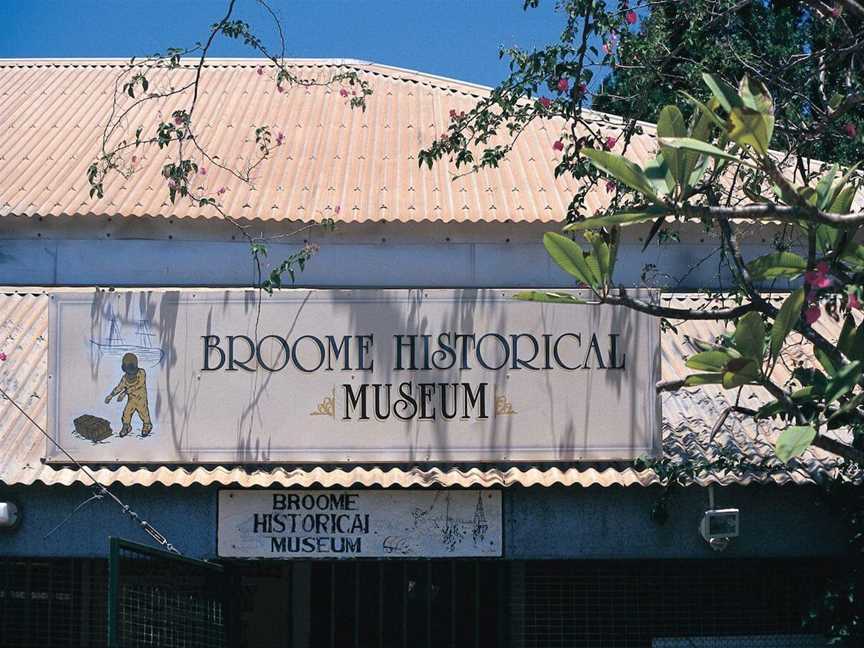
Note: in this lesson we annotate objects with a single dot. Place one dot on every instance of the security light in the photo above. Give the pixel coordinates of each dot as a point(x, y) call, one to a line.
point(719, 526)
point(10, 515)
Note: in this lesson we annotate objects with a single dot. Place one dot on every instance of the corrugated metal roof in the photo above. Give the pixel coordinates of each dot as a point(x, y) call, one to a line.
point(52, 114)
point(687, 420)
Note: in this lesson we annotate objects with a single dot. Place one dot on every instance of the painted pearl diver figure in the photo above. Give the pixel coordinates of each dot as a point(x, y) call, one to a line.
point(133, 385)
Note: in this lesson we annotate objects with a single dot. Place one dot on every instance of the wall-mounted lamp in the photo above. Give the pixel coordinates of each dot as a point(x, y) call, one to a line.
point(10, 515)
point(719, 526)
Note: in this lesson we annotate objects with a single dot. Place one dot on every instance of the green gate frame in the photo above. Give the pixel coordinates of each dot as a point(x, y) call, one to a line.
point(116, 546)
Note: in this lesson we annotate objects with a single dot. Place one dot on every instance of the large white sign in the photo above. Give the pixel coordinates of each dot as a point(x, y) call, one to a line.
point(359, 524)
point(170, 376)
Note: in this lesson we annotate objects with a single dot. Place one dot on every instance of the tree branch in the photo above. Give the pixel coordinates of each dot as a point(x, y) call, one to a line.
point(622, 299)
point(770, 211)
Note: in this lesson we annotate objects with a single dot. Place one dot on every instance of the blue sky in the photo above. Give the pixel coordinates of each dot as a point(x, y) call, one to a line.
point(454, 38)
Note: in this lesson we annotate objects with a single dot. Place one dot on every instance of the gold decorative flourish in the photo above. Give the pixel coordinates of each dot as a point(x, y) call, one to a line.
point(503, 407)
point(327, 407)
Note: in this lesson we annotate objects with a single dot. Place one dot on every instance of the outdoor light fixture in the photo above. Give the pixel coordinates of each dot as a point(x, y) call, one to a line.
point(718, 526)
point(10, 515)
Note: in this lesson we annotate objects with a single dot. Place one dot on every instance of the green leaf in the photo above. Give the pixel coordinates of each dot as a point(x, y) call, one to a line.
point(794, 440)
point(777, 265)
point(619, 218)
point(594, 269)
point(848, 406)
point(853, 254)
point(547, 297)
point(569, 257)
point(694, 380)
point(690, 144)
point(823, 187)
point(842, 202)
point(825, 361)
point(653, 232)
point(851, 341)
point(776, 407)
point(671, 124)
point(755, 96)
point(740, 371)
point(657, 172)
point(622, 170)
point(724, 93)
point(785, 321)
point(750, 336)
point(826, 238)
point(706, 111)
point(713, 361)
point(750, 127)
point(845, 379)
point(602, 254)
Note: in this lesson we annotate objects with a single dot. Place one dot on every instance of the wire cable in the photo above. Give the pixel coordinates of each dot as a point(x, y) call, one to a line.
point(148, 528)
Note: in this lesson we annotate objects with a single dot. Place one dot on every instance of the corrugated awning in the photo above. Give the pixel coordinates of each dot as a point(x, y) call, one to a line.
point(744, 447)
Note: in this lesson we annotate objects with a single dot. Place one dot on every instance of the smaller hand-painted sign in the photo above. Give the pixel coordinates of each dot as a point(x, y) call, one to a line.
point(358, 524)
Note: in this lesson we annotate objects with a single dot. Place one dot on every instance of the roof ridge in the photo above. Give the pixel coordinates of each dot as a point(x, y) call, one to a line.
point(372, 67)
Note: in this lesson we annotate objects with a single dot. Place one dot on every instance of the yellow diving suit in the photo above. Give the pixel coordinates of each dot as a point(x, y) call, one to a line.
point(133, 385)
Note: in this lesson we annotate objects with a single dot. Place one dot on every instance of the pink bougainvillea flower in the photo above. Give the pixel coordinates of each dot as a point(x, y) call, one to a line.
point(545, 102)
point(812, 314)
point(607, 48)
point(221, 191)
point(610, 143)
point(172, 184)
point(134, 159)
point(850, 129)
point(259, 70)
point(202, 170)
point(280, 137)
point(178, 119)
point(610, 186)
point(583, 88)
point(558, 145)
point(280, 89)
point(343, 92)
point(563, 85)
point(337, 210)
point(453, 114)
point(854, 302)
point(2, 357)
point(631, 17)
point(818, 278)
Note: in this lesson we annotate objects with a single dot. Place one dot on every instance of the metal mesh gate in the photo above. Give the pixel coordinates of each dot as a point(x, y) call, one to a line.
point(159, 599)
point(53, 603)
point(624, 604)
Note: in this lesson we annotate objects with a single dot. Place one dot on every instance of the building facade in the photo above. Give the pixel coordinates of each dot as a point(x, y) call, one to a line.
point(573, 548)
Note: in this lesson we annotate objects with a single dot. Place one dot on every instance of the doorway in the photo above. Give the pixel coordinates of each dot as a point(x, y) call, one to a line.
point(369, 604)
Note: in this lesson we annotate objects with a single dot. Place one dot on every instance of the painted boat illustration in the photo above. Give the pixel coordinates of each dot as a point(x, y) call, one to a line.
point(115, 345)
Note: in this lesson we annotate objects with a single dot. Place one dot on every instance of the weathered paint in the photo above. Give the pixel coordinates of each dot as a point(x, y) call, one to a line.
point(343, 265)
point(348, 377)
point(345, 524)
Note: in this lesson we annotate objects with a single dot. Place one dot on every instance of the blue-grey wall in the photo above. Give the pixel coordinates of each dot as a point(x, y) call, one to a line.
point(594, 523)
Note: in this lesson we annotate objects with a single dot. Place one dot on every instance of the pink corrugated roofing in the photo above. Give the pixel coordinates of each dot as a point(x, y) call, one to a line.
point(687, 420)
point(52, 115)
